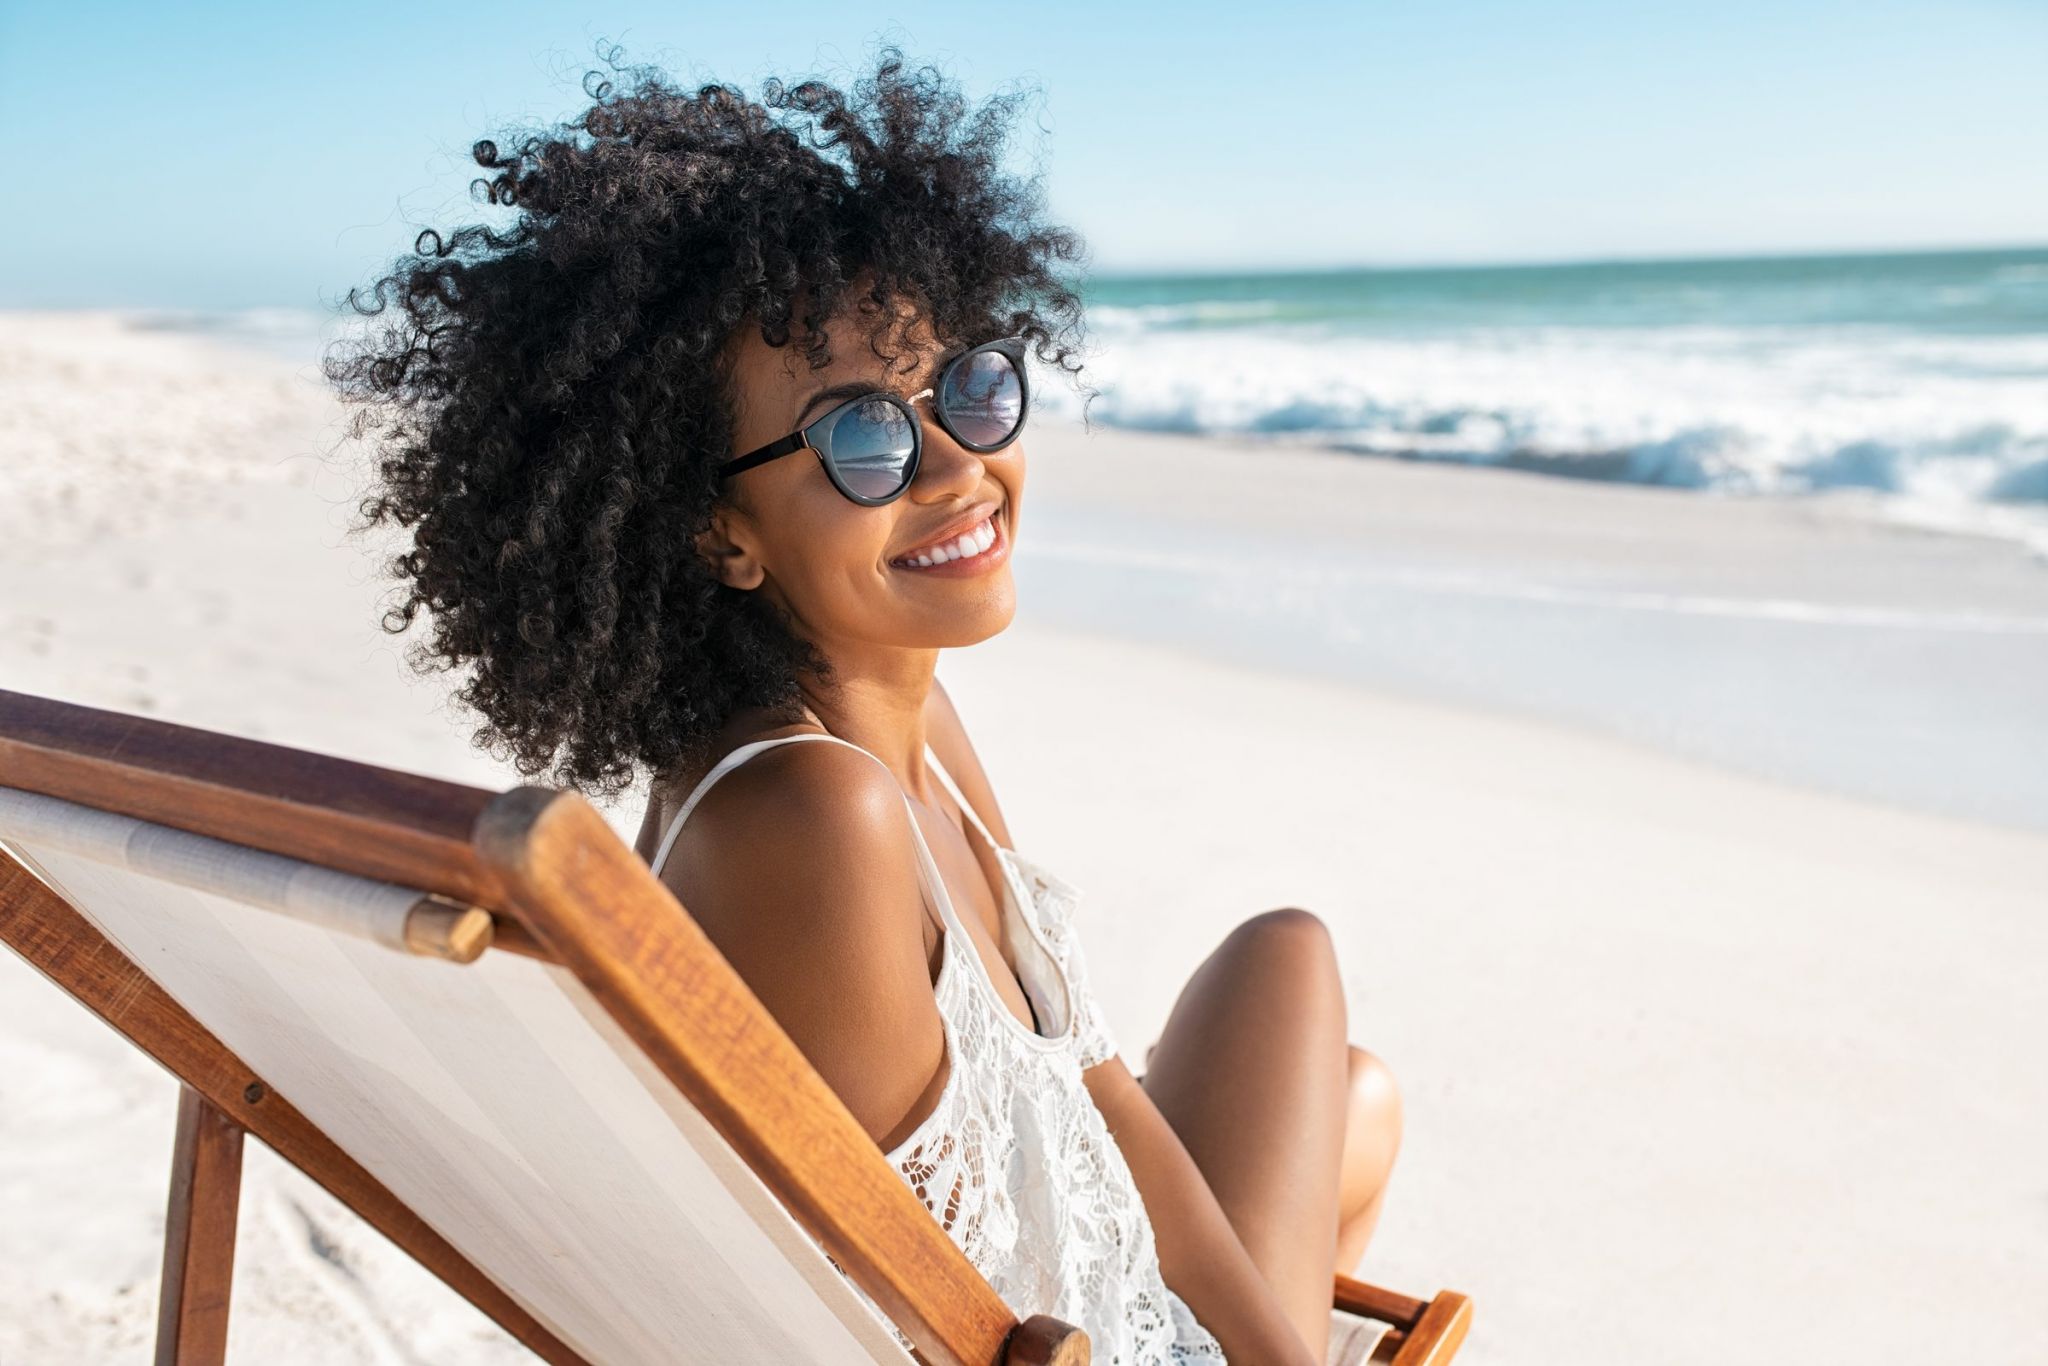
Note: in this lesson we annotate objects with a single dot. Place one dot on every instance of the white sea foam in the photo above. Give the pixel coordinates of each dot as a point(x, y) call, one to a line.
point(1953, 429)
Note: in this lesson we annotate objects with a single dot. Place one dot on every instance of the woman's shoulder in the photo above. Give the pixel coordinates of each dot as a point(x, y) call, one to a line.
point(670, 788)
point(804, 807)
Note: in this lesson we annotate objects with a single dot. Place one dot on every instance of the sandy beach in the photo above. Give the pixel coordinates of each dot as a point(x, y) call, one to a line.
point(1687, 855)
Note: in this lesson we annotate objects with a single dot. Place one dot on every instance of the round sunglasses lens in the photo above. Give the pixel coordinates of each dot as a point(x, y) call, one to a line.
point(984, 398)
point(870, 446)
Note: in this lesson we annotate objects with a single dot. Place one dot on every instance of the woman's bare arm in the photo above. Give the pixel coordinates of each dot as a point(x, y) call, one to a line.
point(1200, 1256)
point(801, 868)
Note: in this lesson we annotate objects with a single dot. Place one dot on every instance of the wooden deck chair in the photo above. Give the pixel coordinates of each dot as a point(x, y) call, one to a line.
point(480, 1021)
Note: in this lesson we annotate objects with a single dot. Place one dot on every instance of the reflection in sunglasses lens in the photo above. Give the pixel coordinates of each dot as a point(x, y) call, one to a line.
point(871, 444)
point(984, 398)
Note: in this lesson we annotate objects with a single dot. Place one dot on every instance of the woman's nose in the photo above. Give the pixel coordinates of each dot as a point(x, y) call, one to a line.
point(946, 466)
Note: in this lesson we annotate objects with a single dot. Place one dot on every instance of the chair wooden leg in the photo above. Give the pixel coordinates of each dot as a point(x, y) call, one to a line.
point(199, 1236)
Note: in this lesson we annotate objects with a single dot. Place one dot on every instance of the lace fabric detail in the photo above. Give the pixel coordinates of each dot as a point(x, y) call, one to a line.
point(1017, 1165)
point(1055, 900)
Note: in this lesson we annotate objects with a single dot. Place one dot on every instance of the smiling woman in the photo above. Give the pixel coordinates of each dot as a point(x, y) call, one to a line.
point(585, 419)
point(554, 397)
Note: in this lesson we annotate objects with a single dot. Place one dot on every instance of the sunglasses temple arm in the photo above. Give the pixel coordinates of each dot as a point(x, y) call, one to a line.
point(773, 450)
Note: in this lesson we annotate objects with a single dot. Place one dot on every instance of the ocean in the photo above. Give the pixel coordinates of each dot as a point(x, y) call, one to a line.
point(1919, 377)
point(1922, 377)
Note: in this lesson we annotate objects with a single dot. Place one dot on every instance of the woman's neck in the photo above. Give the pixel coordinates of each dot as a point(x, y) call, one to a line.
point(884, 712)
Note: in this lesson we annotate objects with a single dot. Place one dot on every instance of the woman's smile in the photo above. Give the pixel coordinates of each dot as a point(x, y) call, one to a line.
point(974, 551)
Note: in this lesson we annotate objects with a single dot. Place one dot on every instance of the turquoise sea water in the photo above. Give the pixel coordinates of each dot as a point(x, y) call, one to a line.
point(1967, 293)
point(1923, 376)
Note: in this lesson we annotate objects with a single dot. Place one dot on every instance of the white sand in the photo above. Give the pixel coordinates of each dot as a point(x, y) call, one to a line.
point(1696, 1066)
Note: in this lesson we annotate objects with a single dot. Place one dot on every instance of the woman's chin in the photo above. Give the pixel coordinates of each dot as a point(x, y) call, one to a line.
point(975, 618)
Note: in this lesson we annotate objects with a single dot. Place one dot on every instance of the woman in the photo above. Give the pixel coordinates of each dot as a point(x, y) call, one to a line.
point(707, 454)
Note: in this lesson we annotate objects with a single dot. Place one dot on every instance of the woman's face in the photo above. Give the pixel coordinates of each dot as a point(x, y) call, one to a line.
point(841, 570)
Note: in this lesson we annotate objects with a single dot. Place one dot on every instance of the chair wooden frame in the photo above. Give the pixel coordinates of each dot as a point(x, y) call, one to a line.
point(560, 886)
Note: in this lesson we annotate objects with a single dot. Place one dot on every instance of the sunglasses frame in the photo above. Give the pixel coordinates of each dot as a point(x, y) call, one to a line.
point(816, 435)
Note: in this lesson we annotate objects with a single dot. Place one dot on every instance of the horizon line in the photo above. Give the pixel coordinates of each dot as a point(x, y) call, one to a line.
point(1197, 273)
point(1564, 262)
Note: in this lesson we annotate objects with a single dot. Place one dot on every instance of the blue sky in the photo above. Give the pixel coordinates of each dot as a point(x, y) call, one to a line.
point(227, 155)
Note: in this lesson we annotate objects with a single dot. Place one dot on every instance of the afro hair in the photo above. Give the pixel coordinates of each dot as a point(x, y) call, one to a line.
point(549, 399)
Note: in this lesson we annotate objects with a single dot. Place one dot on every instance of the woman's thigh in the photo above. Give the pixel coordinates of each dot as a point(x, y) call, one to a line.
point(1251, 1071)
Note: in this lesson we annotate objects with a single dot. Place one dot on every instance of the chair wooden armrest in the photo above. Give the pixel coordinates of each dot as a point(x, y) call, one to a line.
point(1424, 1333)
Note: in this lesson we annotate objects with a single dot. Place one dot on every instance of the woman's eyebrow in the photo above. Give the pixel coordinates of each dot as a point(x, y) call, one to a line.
point(854, 388)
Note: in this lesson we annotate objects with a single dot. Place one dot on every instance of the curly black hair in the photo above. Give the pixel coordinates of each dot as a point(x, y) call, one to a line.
point(553, 396)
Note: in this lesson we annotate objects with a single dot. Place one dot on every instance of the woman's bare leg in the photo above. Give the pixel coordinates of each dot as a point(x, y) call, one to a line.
point(1372, 1140)
point(1251, 1072)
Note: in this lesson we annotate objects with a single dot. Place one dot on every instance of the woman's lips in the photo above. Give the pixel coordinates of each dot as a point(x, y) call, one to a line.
point(989, 544)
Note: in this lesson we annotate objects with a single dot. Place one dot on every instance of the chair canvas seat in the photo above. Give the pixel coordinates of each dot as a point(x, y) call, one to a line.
point(501, 1103)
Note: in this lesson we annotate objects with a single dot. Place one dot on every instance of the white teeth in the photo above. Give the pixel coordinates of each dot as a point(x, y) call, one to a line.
point(966, 544)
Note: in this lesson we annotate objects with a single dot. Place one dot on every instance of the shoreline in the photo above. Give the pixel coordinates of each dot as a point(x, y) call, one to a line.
point(1799, 641)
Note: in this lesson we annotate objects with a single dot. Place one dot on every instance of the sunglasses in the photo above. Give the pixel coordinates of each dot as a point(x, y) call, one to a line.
point(870, 445)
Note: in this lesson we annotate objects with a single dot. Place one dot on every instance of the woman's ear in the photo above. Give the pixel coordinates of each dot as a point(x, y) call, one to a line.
point(730, 560)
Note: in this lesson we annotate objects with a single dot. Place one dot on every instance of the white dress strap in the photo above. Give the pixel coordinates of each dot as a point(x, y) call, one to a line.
point(939, 766)
point(742, 753)
point(724, 766)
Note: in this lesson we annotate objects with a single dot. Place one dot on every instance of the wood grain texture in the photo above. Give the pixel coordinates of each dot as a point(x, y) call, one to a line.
point(597, 907)
point(66, 948)
point(441, 929)
point(199, 1236)
point(373, 822)
point(1369, 1301)
point(1439, 1333)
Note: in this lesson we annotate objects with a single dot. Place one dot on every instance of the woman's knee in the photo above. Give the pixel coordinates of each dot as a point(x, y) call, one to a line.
point(1277, 971)
point(1280, 965)
point(1288, 941)
point(1290, 928)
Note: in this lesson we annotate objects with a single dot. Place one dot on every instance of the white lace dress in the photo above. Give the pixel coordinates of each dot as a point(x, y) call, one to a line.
point(1015, 1160)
